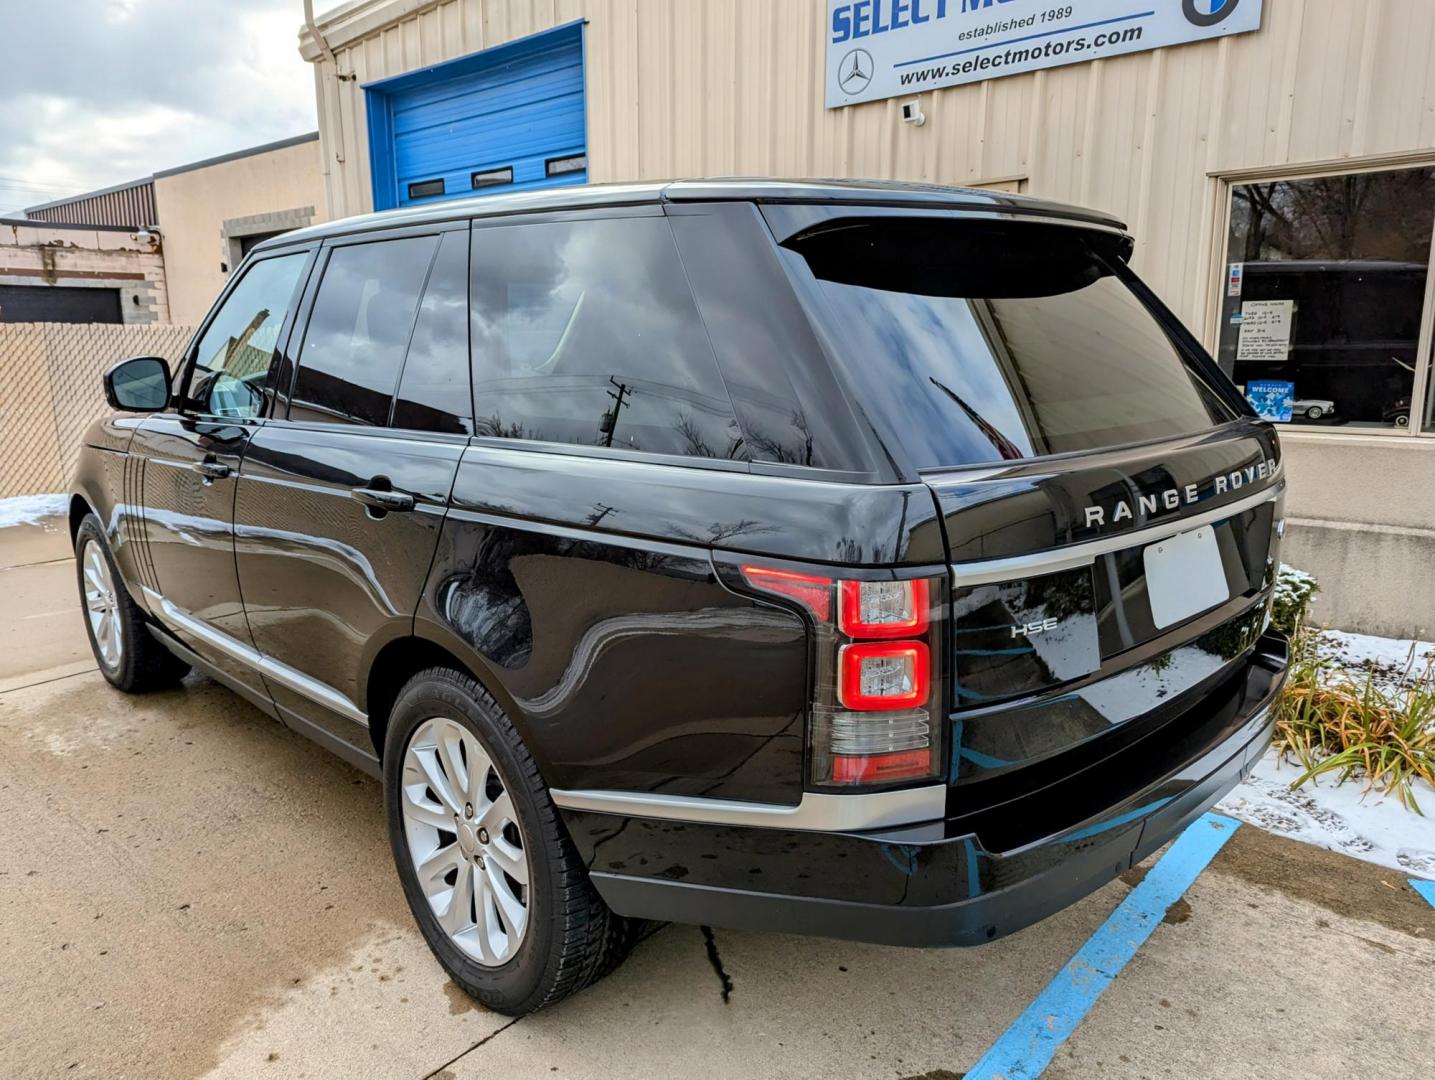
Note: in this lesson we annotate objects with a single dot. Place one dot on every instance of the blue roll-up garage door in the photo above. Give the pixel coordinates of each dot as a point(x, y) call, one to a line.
point(505, 119)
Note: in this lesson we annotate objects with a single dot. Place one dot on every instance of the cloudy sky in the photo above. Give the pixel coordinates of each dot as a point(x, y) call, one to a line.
point(99, 92)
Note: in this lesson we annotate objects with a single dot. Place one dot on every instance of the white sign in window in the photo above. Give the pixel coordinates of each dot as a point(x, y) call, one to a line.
point(885, 48)
point(1265, 332)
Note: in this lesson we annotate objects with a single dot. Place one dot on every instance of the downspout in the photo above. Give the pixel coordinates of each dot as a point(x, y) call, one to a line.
point(329, 57)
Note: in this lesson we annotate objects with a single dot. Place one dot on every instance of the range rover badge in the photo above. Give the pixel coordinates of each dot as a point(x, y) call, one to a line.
point(1173, 498)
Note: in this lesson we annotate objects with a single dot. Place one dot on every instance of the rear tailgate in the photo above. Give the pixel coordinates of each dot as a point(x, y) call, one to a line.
point(1110, 503)
point(1055, 641)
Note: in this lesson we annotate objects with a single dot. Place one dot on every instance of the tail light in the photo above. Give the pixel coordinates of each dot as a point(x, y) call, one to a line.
point(883, 675)
point(814, 593)
point(875, 675)
point(882, 609)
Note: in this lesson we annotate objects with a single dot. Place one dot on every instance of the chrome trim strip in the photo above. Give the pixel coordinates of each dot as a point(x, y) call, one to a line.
point(986, 571)
point(283, 674)
point(815, 813)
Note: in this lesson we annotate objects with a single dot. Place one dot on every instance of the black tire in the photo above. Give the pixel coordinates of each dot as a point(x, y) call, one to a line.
point(143, 664)
point(1315, 412)
point(571, 938)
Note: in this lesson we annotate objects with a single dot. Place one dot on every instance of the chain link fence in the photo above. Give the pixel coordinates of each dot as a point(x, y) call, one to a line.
point(50, 392)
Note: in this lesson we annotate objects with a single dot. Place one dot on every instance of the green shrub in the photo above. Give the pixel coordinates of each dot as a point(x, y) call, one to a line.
point(1295, 590)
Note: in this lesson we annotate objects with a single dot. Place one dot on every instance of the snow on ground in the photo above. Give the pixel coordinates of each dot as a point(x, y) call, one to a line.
point(32, 509)
point(1394, 661)
point(1370, 825)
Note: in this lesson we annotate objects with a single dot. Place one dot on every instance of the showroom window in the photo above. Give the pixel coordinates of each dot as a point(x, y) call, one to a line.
point(1323, 300)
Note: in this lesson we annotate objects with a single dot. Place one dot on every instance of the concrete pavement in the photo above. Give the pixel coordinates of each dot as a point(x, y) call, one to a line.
point(41, 634)
point(188, 888)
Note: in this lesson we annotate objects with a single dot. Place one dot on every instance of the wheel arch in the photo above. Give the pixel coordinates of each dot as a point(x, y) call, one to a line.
point(80, 508)
point(88, 498)
point(402, 658)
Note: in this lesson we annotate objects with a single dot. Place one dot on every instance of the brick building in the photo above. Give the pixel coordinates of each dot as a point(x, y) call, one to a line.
point(59, 272)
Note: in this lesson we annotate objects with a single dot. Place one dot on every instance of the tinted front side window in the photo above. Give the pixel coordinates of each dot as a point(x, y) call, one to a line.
point(585, 332)
point(358, 330)
point(232, 358)
point(973, 342)
point(433, 391)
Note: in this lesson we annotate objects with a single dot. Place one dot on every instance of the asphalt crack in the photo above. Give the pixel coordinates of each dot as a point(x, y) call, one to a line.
point(716, 961)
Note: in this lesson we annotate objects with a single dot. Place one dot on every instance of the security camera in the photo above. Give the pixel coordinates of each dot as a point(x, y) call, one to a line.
point(912, 113)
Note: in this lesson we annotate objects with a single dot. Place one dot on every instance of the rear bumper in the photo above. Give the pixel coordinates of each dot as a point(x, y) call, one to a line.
point(937, 884)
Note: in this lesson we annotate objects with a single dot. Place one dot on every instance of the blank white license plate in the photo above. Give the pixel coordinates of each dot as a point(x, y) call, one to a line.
point(1184, 576)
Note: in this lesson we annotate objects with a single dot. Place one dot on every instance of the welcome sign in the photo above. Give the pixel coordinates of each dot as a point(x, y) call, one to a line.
point(886, 48)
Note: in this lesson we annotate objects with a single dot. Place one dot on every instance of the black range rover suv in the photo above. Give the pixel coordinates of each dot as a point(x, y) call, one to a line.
point(870, 560)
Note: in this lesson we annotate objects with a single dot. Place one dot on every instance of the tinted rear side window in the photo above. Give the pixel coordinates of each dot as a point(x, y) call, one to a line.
point(433, 390)
point(358, 330)
point(787, 399)
point(972, 342)
point(585, 332)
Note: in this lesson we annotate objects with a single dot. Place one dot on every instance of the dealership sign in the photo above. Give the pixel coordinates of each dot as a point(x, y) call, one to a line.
point(887, 48)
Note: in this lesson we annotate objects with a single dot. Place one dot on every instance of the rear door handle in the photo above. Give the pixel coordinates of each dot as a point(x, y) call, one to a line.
point(384, 500)
point(210, 470)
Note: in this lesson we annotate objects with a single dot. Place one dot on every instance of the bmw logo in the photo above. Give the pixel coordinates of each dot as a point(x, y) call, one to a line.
point(1207, 12)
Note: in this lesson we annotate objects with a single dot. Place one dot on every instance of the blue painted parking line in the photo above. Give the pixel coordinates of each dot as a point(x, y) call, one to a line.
point(1027, 1047)
point(1425, 889)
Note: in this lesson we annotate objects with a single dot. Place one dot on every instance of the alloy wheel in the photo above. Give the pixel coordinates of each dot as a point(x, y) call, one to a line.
point(102, 606)
point(466, 845)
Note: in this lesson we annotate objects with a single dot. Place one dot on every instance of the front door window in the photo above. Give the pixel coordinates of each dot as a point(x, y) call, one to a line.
point(232, 358)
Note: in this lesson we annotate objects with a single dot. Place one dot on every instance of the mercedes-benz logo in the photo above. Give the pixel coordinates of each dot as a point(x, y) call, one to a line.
point(854, 71)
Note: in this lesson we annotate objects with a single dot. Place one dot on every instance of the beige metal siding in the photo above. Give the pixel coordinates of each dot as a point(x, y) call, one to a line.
point(734, 87)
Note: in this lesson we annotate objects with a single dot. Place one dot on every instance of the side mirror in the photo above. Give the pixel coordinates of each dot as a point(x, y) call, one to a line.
point(139, 384)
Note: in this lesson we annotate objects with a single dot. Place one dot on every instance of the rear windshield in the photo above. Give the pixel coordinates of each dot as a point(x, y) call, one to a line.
point(971, 342)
